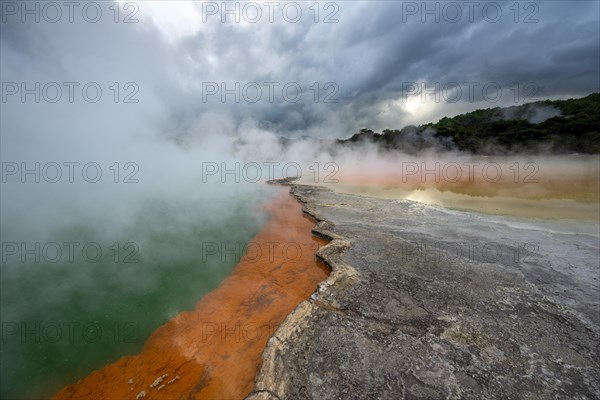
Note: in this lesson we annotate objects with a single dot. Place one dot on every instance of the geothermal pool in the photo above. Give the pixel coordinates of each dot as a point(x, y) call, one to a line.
point(565, 187)
point(214, 351)
point(65, 317)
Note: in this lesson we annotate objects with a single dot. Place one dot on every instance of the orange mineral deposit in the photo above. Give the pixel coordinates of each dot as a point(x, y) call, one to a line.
point(214, 351)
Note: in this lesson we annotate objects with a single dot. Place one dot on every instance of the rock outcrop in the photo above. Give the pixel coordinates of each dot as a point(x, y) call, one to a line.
point(427, 303)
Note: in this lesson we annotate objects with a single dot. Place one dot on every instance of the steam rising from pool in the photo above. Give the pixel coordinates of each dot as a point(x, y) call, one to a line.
point(535, 185)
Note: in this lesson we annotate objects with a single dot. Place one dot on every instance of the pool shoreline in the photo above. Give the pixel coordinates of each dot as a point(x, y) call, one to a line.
point(215, 350)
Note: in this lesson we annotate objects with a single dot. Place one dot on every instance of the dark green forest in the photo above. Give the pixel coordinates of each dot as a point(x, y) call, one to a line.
point(555, 127)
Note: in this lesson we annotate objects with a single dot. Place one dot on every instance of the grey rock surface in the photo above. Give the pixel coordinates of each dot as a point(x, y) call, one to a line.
point(428, 303)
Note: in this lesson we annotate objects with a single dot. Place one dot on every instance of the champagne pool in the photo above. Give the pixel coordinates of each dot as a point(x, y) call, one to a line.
point(93, 296)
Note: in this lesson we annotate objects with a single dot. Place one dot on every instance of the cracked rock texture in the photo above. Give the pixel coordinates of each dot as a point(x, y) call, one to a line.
point(428, 303)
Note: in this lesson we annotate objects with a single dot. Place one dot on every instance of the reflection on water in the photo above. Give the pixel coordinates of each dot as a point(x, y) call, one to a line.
point(552, 187)
point(514, 206)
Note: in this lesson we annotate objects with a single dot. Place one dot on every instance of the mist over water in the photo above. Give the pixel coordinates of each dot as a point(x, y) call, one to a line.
point(63, 319)
point(524, 185)
point(104, 218)
point(106, 206)
point(130, 230)
point(67, 310)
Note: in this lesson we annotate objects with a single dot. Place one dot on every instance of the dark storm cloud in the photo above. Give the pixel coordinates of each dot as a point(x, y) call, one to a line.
point(371, 54)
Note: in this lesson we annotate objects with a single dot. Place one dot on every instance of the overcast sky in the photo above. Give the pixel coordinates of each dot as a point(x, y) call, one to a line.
point(148, 93)
point(357, 63)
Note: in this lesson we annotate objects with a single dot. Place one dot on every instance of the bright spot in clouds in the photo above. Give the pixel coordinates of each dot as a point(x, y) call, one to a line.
point(174, 19)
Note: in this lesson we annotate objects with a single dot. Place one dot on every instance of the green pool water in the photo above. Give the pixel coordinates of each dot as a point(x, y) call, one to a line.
point(61, 320)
